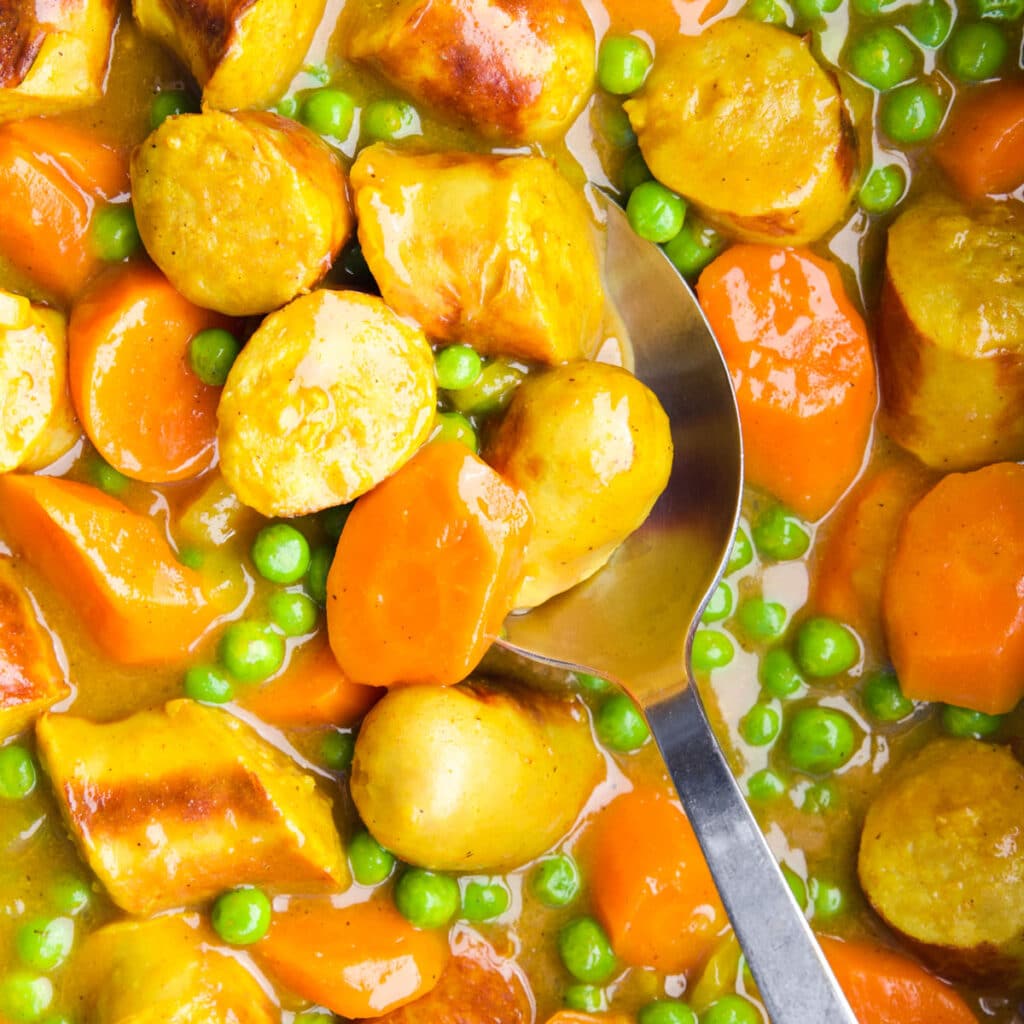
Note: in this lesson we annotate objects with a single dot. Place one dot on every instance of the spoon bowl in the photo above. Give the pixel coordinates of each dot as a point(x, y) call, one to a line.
point(633, 622)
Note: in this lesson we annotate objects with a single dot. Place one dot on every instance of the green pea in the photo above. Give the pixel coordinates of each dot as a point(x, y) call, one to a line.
point(556, 881)
point(592, 684)
point(70, 894)
point(634, 172)
point(390, 120)
point(585, 998)
point(761, 724)
point(741, 554)
point(17, 772)
point(820, 797)
point(251, 651)
point(820, 739)
point(208, 684)
point(930, 22)
point(107, 478)
point(711, 649)
point(293, 613)
point(883, 188)
point(825, 647)
point(655, 212)
point(369, 861)
point(484, 900)
point(169, 103)
point(457, 366)
point(912, 113)
point(337, 749)
point(492, 390)
point(719, 605)
point(976, 51)
point(24, 997)
point(964, 722)
point(780, 535)
point(780, 675)
point(761, 619)
point(427, 899)
point(882, 57)
point(212, 353)
point(58, 1018)
point(616, 127)
point(770, 12)
point(45, 943)
point(280, 553)
point(694, 247)
point(731, 1009)
point(314, 1017)
point(796, 884)
point(320, 560)
point(622, 64)
point(620, 725)
point(453, 426)
point(241, 916)
point(288, 106)
point(191, 558)
point(115, 234)
point(871, 8)
point(586, 951)
point(328, 112)
point(666, 1011)
point(815, 10)
point(827, 898)
point(1000, 10)
point(765, 785)
point(884, 699)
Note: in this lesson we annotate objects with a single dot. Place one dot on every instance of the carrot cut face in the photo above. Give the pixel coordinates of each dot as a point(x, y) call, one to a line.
point(952, 601)
point(426, 570)
point(143, 408)
point(140, 605)
point(802, 367)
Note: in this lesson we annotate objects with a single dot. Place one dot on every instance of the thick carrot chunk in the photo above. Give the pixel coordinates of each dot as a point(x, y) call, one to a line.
point(952, 603)
point(426, 570)
point(112, 564)
point(802, 368)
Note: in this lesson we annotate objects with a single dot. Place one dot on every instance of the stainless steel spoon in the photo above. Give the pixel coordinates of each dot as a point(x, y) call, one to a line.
point(634, 621)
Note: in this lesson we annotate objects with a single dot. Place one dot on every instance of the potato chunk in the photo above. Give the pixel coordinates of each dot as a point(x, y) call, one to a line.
point(331, 395)
point(241, 212)
point(941, 859)
point(53, 57)
point(744, 122)
point(31, 680)
point(430, 762)
point(513, 70)
point(591, 448)
point(201, 804)
point(167, 969)
point(235, 48)
point(497, 252)
point(37, 422)
point(951, 333)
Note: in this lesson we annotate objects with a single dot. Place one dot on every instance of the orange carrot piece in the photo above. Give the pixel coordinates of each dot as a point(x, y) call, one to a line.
point(851, 570)
point(652, 889)
point(143, 408)
point(884, 987)
point(802, 367)
point(426, 570)
point(52, 176)
point(312, 691)
point(358, 961)
point(982, 147)
point(952, 604)
point(112, 564)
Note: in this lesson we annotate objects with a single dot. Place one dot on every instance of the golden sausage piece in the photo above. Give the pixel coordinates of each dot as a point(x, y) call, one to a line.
point(329, 396)
point(242, 212)
point(744, 122)
point(951, 333)
point(941, 859)
point(498, 252)
point(513, 70)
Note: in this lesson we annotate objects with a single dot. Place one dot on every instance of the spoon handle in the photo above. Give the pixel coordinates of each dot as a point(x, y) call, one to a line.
point(793, 977)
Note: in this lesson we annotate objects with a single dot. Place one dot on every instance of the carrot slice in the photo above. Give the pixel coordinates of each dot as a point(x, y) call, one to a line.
point(884, 987)
point(112, 564)
point(802, 367)
point(982, 147)
point(426, 570)
point(143, 408)
point(52, 176)
point(312, 691)
point(359, 961)
point(851, 572)
point(952, 606)
point(652, 888)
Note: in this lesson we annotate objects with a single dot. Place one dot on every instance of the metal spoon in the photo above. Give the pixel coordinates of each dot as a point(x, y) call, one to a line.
point(634, 622)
